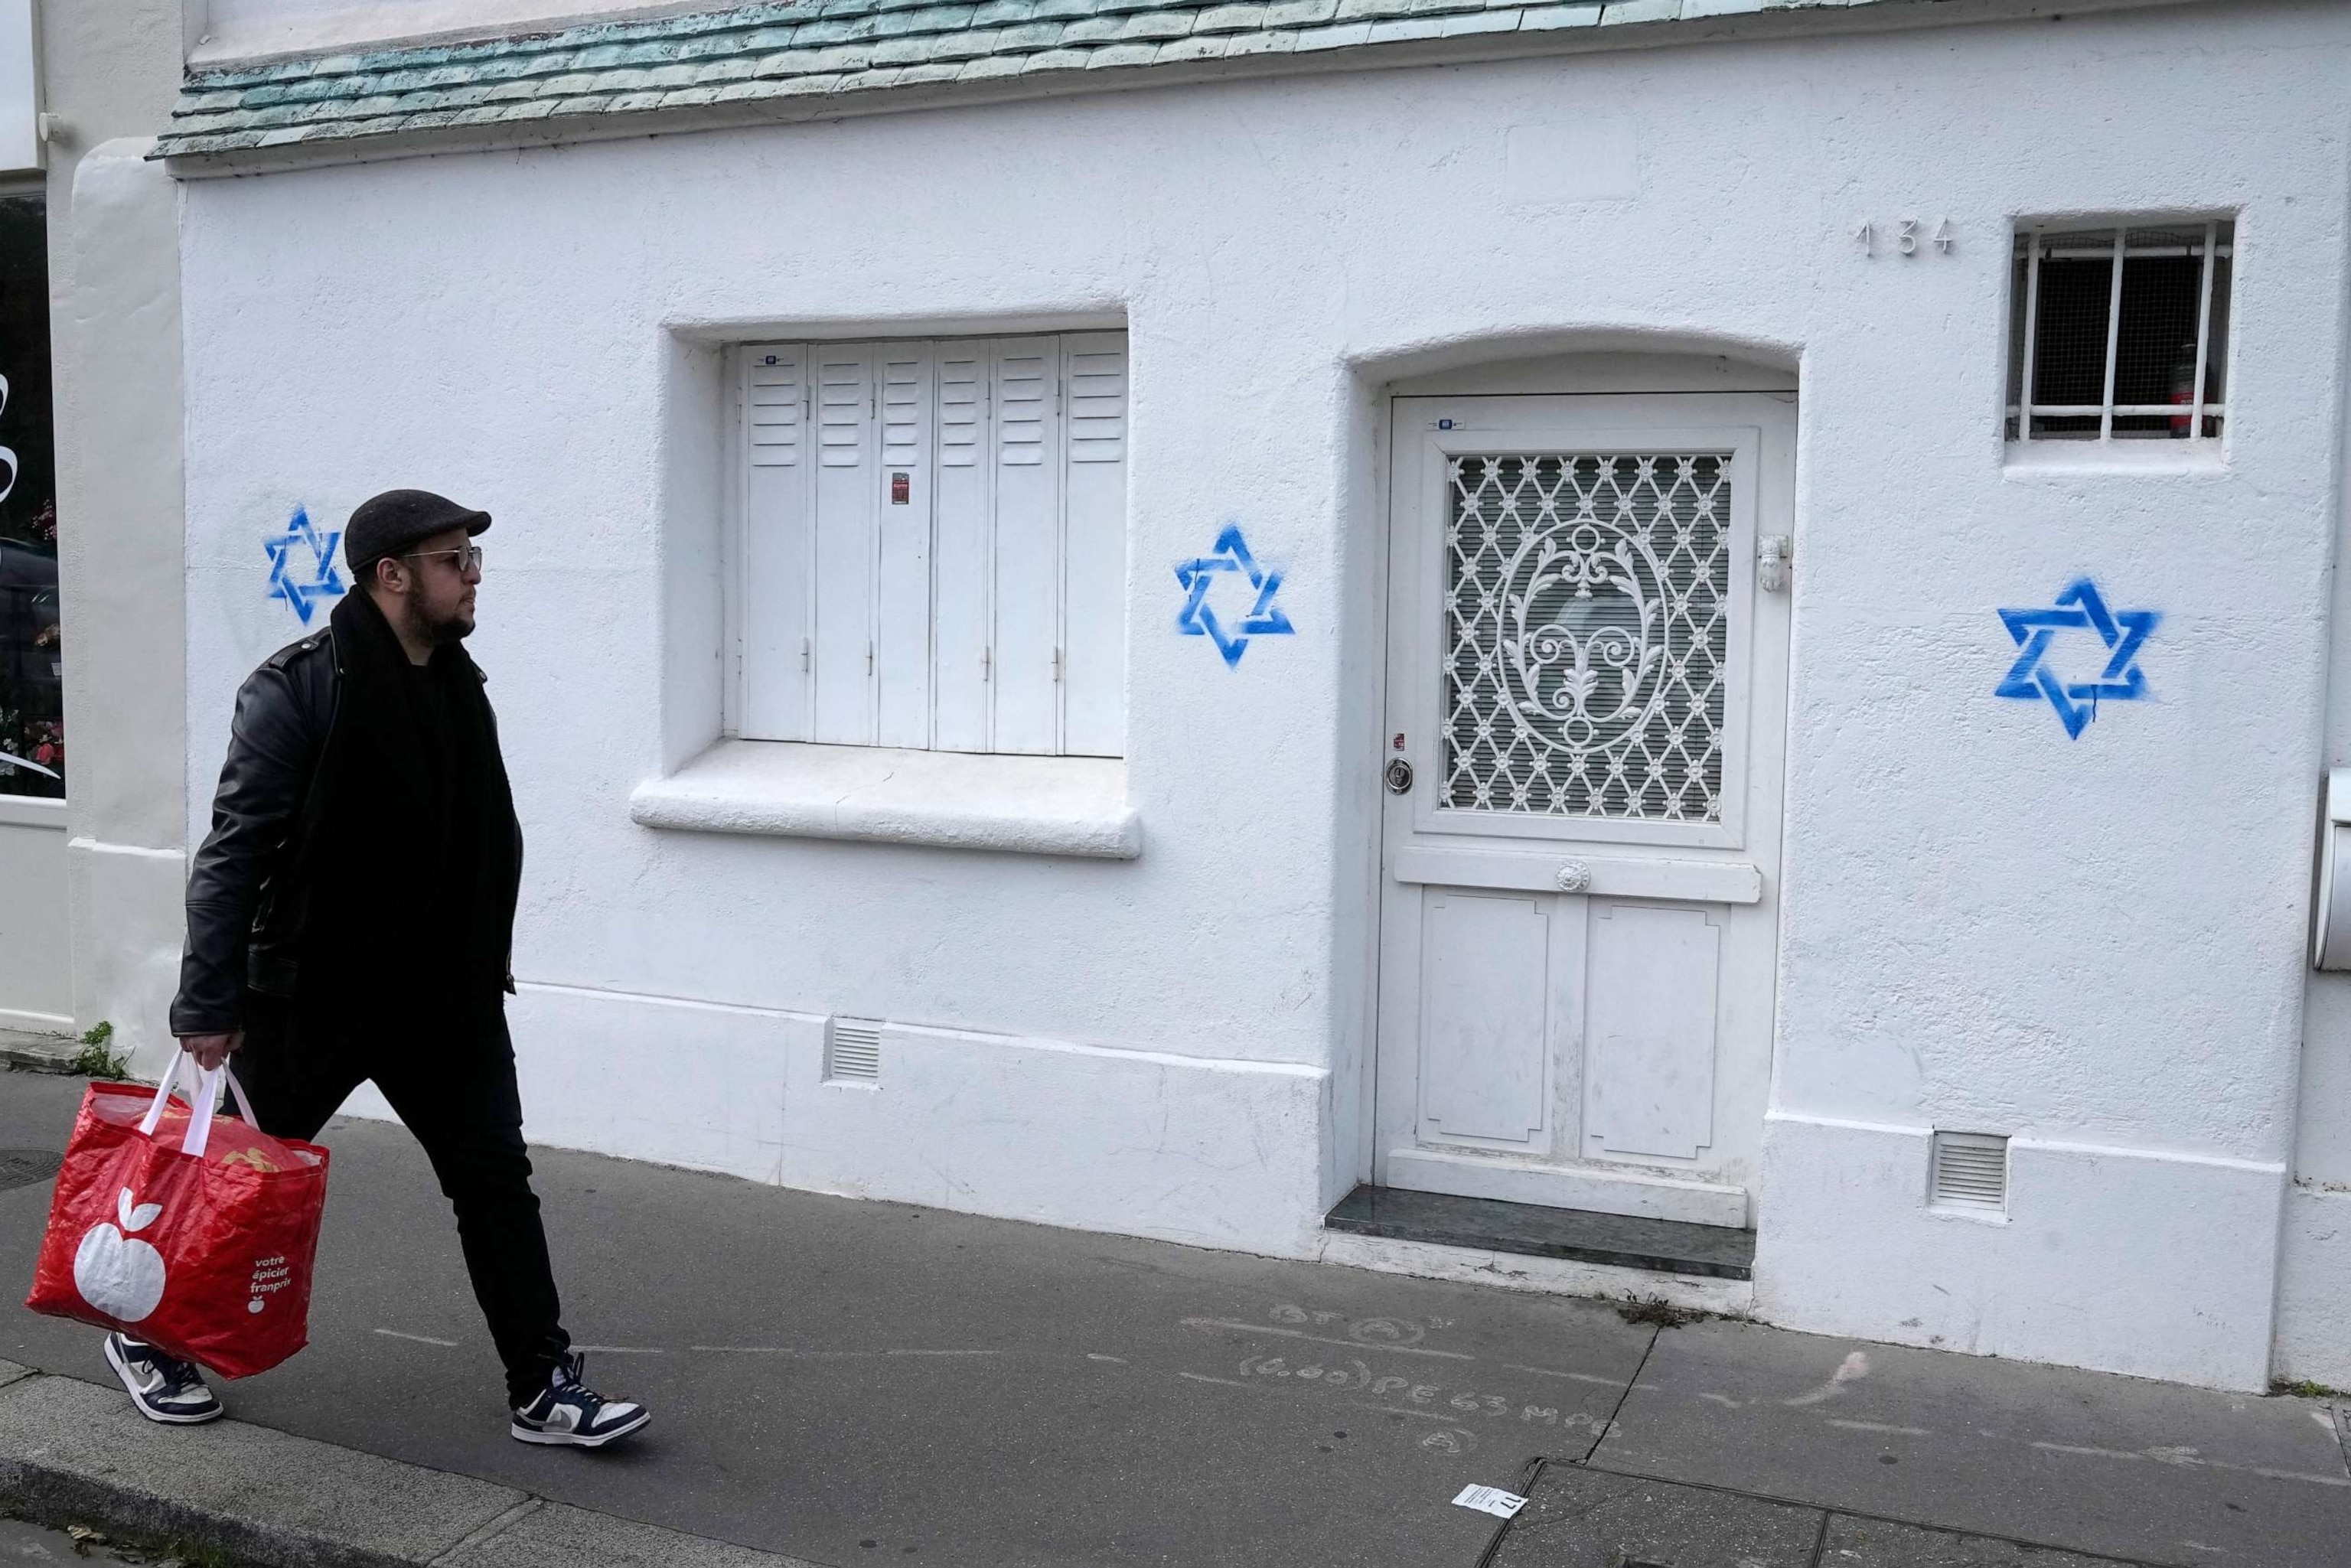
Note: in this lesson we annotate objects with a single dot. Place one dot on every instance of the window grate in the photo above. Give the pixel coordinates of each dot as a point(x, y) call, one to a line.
point(853, 1050)
point(1587, 615)
point(1969, 1171)
point(2119, 333)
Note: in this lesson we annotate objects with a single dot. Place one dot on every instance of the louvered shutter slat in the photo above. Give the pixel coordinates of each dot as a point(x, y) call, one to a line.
point(902, 595)
point(845, 545)
point(775, 545)
point(1093, 675)
point(1028, 545)
point(964, 551)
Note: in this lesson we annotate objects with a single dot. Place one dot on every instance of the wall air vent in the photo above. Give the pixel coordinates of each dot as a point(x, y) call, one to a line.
point(1969, 1172)
point(853, 1050)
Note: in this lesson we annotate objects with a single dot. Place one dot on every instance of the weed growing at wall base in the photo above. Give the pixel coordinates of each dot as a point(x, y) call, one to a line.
point(98, 1058)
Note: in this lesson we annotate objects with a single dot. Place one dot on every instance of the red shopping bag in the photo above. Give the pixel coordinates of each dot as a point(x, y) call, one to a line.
point(194, 1234)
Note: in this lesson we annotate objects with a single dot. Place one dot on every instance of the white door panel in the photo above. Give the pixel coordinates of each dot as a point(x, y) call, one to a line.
point(1589, 691)
point(1487, 1018)
point(1650, 1032)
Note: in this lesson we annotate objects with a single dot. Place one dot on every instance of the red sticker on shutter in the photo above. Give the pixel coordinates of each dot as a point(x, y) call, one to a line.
point(901, 489)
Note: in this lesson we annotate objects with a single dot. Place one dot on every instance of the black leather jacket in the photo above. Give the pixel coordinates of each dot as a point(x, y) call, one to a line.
point(249, 887)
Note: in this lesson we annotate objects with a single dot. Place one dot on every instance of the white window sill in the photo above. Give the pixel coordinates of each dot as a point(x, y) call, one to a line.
point(1021, 805)
point(2026, 459)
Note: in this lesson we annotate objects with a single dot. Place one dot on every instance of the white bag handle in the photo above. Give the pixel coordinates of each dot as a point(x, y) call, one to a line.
point(206, 1101)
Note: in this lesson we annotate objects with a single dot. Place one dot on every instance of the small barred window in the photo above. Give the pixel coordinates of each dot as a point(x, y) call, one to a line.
point(2121, 332)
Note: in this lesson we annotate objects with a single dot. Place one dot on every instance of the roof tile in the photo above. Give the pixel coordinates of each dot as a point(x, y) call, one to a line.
point(1536, 18)
point(797, 48)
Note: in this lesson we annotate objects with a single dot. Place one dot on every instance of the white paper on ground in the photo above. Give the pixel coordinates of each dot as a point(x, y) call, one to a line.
point(1491, 1499)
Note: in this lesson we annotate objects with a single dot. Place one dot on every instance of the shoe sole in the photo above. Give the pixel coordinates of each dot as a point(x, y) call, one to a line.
point(114, 1360)
point(523, 1434)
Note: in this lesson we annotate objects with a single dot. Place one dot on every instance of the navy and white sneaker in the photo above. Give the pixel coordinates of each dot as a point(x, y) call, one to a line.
point(165, 1390)
point(571, 1415)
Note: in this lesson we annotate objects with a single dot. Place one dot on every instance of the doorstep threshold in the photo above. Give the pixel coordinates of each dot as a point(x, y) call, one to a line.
point(1580, 1235)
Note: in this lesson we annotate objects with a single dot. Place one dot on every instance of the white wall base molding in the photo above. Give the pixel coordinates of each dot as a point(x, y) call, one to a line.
point(2313, 1324)
point(2154, 1264)
point(1206, 1151)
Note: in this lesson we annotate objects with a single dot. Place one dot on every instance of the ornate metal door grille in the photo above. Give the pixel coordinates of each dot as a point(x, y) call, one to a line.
point(1587, 627)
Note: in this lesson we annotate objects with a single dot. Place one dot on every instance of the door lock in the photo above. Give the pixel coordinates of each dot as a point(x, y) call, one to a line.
point(1399, 776)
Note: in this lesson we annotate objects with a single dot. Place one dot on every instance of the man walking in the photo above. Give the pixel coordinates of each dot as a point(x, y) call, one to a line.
point(351, 917)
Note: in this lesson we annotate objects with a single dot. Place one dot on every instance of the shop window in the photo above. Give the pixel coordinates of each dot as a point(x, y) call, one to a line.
point(2120, 332)
point(932, 544)
point(32, 643)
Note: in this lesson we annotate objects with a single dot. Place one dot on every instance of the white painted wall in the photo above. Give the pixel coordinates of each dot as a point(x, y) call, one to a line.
point(2093, 946)
point(2314, 1331)
point(91, 930)
point(110, 71)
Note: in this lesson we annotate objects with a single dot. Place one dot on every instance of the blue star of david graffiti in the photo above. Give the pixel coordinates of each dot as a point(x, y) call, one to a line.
point(287, 576)
point(2079, 607)
point(1265, 618)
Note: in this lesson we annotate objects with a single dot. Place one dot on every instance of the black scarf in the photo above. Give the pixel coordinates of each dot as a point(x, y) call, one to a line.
point(425, 854)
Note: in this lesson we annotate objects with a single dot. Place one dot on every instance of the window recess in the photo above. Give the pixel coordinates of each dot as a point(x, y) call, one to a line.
point(2120, 332)
point(932, 544)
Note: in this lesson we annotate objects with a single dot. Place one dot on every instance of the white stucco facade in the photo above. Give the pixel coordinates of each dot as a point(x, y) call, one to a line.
point(91, 931)
point(2095, 946)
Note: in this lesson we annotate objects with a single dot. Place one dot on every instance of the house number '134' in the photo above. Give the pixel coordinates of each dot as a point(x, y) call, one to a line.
point(1905, 236)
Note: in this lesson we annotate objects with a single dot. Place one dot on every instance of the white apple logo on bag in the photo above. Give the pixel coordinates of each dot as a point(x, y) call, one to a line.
point(120, 1277)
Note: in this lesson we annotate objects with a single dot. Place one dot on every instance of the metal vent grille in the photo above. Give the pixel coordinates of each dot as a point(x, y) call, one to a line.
point(1587, 624)
point(1970, 1171)
point(853, 1050)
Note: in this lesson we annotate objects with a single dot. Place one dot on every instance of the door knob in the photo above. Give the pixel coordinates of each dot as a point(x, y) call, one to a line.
point(1399, 776)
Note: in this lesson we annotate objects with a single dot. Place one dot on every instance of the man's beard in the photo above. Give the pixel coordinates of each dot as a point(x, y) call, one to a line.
point(454, 628)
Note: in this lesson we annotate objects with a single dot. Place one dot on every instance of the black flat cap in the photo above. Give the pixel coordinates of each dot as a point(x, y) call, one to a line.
point(387, 524)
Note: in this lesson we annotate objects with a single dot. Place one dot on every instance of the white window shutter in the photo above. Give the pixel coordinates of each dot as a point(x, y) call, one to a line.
point(847, 498)
point(774, 615)
point(902, 635)
point(963, 550)
point(1027, 453)
point(1094, 659)
point(933, 544)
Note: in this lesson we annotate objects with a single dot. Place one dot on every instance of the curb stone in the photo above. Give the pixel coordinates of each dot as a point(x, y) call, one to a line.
point(38, 1052)
point(71, 1451)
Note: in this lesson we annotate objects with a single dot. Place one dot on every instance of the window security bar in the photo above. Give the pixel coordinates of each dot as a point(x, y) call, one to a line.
point(2123, 410)
point(2073, 347)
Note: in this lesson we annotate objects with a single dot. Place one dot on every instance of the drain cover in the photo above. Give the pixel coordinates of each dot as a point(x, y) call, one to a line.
point(23, 1167)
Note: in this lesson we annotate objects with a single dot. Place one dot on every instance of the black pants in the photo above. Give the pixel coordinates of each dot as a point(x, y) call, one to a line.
point(453, 1086)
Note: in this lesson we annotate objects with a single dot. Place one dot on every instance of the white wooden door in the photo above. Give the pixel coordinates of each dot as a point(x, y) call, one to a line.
point(1587, 702)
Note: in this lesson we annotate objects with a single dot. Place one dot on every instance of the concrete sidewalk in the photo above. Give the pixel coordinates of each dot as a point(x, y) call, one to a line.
point(844, 1383)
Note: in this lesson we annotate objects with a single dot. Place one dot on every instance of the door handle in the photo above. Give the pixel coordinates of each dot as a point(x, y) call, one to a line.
point(1399, 776)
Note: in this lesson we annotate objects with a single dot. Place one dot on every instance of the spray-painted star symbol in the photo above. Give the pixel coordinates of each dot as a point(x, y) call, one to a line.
point(1265, 618)
point(303, 583)
point(2079, 608)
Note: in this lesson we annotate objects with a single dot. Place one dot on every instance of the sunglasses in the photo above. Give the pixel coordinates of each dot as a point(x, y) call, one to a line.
point(468, 557)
